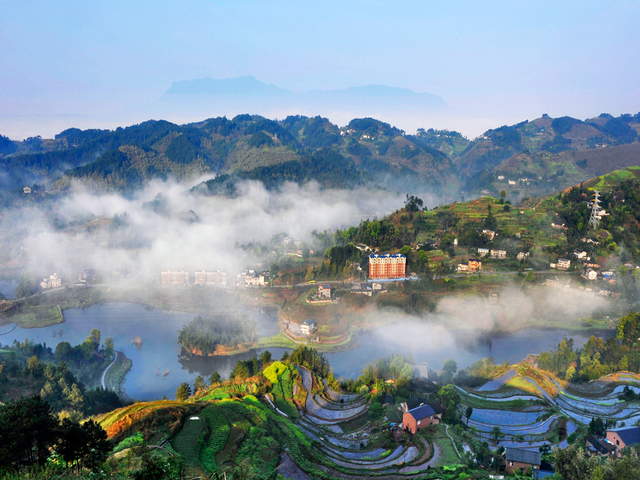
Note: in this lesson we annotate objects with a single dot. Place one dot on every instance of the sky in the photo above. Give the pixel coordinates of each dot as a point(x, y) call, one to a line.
point(72, 63)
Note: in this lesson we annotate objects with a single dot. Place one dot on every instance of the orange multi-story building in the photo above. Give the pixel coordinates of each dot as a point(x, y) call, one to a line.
point(387, 266)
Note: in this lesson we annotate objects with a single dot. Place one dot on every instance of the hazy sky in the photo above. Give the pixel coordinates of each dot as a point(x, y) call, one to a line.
point(73, 62)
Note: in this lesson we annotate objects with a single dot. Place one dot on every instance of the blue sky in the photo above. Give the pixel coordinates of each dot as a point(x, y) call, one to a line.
point(73, 61)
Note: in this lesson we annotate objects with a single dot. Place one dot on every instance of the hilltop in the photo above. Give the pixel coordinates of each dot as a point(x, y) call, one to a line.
point(530, 158)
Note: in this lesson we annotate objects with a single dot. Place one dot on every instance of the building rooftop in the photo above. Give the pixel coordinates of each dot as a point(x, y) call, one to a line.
point(396, 255)
point(601, 446)
point(523, 456)
point(422, 412)
point(629, 435)
point(308, 322)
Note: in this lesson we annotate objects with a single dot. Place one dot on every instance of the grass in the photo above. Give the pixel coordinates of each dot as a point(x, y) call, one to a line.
point(448, 455)
point(37, 316)
point(354, 425)
point(218, 436)
point(188, 442)
point(117, 373)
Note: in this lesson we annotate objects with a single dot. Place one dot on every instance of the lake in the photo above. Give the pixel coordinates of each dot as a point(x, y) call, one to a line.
point(160, 353)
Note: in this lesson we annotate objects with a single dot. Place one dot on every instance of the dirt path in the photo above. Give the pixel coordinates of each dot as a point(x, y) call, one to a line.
point(104, 374)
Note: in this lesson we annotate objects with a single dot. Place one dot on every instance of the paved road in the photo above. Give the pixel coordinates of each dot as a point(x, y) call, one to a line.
point(104, 374)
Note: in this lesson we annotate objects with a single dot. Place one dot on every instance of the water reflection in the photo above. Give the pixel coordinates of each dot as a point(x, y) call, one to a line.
point(149, 338)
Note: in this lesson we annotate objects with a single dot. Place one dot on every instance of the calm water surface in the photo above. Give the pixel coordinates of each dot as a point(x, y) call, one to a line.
point(158, 368)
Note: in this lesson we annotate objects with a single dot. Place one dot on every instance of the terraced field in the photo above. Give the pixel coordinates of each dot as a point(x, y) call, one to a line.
point(531, 407)
point(225, 434)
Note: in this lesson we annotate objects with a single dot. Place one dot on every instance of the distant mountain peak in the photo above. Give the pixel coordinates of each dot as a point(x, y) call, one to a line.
point(246, 85)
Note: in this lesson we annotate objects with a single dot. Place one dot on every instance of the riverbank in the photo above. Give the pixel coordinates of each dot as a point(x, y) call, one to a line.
point(116, 375)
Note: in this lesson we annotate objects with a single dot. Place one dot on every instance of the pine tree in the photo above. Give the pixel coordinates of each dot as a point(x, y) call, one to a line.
point(183, 392)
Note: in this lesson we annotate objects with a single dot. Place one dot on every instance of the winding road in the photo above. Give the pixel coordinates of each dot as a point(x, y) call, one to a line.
point(104, 374)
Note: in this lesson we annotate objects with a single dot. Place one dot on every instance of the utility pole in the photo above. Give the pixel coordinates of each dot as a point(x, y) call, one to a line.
point(593, 220)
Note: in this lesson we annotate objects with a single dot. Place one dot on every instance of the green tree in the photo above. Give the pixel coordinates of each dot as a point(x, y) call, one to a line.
point(496, 434)
point(265, 358)
point(199, 383)
point(468, 412)
point(34, 366)
point(450, 368)
point(183, 392)
point(95, 336)
point(109, 347)
point(449, 399)
point(214, 378)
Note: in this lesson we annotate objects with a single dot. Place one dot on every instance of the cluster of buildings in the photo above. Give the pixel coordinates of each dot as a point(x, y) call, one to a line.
point(52, 282)
point(496, 254)
point(387, 266)
point(250, 278)
point(472, 265)
point(367, 288)
point(204, 278)
point(561, 264)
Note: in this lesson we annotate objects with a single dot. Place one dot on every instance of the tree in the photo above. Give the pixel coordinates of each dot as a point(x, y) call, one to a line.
point(199, 383)
point(95, 336)
point(214, 378)
point(450, 368)
point(468, 413)
point(34, 366)
point(109, 347)
point(183, 392)
point(496, 434)
point(265, 358)
point(449, 398)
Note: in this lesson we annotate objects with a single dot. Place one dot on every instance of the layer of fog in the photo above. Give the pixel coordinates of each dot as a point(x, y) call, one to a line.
point(147, 242)
point(467, 328)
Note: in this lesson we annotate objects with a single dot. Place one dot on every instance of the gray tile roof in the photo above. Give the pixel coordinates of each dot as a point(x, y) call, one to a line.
point(523, 456)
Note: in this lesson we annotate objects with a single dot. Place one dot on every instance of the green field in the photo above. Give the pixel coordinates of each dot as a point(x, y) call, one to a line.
point(188, 442)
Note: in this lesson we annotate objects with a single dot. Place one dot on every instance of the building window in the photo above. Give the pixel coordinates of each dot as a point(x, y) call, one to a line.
point(419, 422)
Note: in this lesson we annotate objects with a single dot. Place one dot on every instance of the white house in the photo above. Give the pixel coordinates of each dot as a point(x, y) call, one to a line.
point(522, 255)
point(500, 254)
point(500, 177)
point(308, 327)
point(591, 274)
point(580, 254)
point(483, 252)
point(563, 264)
point(26, 190)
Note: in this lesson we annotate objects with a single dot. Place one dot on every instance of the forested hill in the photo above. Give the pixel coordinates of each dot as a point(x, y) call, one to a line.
point(541, 156)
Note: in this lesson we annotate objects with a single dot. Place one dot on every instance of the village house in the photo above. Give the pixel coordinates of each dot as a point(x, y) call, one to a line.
point(563, 264)
point(475, 265)
point(417, 418)
point(598, 446)
point(580, 254)
point(522, 255)
point(463, 267)
point(489, 233)
point(499, 254)
point(52, 282)
point(522, 459)
point(255, 281)
point(592, 265)
point(623, 437)
point(308, 327)
point(324, 291)
point(554, 225)
point(500, 177)
point(483, 252)
point(455, 242)
point(362, 247)
point(420, 371)
point(591, 274)
point(362, 289)
point(26, 190)
point(512, 182)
